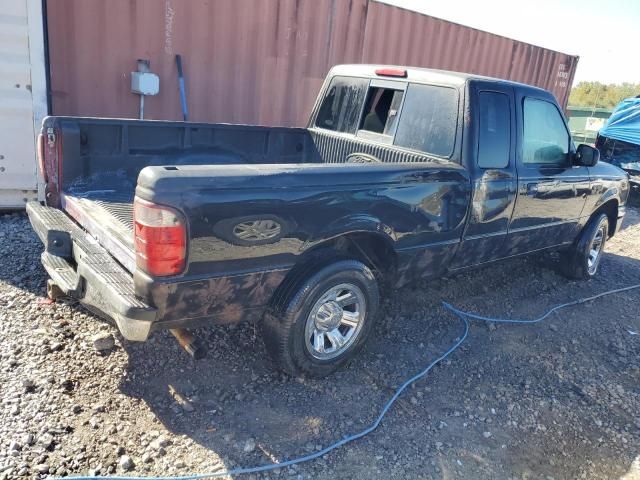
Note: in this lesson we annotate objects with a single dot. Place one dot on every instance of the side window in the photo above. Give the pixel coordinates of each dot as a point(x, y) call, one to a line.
point(494, 138)
point(342, 103)
point(429, 119)
point(545, 137)
point(381, 110)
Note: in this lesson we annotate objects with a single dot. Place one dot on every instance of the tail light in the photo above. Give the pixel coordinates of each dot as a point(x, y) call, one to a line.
point(160, 238)
point(40, 153)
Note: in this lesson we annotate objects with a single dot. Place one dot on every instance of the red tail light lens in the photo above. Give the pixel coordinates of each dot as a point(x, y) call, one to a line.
point(160, 239)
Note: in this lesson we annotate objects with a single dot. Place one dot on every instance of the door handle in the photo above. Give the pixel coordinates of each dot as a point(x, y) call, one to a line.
point(532, 189)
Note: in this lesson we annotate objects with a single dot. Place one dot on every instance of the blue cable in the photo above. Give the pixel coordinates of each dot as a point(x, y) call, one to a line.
point(463, 316)
point(473, 316)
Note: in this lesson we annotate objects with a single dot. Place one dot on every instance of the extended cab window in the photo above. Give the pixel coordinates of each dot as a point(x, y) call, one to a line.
point(494, 140)
point(342, 103)
point(545, 137)
point(429, 119)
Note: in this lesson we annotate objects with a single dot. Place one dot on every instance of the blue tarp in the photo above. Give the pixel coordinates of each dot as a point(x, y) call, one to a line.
point(624, 122)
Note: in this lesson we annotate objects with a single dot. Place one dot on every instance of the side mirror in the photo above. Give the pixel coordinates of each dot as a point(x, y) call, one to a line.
point(586, 156)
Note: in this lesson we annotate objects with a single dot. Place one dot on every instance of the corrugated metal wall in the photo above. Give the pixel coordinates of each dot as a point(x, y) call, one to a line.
point(260, 61)
point(431, 42)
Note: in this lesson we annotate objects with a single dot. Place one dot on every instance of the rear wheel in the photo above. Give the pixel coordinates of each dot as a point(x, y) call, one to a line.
point(581, 261)
point(324, 321)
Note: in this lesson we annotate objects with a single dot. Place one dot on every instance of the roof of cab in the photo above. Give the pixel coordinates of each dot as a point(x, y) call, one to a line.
point(419, 74)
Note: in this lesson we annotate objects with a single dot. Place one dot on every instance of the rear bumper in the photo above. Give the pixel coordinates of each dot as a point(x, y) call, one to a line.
point(84, 270)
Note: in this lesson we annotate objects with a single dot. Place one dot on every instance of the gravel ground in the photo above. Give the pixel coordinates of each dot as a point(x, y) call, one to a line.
point(556, 400)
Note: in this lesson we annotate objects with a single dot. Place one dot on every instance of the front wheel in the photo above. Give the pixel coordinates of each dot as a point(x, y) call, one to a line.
point(325, 321)
point(581, 261)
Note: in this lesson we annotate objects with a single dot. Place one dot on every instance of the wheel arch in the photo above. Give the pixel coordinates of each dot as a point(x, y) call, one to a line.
point(373, 249)
point(609, 207)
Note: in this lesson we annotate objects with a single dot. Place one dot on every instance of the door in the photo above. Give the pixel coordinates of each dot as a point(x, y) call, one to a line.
point(493, 174)
point(551, 192)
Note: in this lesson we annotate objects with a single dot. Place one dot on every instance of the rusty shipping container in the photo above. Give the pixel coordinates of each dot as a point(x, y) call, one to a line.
point(260, 61)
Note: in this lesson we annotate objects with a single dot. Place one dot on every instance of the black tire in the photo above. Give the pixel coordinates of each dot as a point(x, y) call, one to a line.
point(284, 328)
point(576, 262)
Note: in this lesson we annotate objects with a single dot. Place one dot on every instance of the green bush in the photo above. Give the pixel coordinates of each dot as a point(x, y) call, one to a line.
point(599, 95)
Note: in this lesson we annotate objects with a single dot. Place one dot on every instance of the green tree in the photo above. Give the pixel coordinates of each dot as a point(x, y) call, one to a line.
point(600, 95)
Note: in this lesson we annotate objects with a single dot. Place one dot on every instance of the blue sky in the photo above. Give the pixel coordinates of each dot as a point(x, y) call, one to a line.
point(604, 33)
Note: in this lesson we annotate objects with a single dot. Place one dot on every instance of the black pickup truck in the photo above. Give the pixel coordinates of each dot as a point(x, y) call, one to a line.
point(401, 174)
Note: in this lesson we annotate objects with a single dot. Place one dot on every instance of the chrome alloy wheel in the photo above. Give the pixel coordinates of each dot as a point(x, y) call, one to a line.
point(595, 250)
point(335, 321)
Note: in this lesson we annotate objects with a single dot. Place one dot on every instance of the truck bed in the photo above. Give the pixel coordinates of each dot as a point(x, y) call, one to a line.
point(103, 158)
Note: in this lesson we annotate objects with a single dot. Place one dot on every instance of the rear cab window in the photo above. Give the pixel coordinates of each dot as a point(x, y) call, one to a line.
point(414, 116)
point(429, 120)
point(381, 110)
point(342, 104)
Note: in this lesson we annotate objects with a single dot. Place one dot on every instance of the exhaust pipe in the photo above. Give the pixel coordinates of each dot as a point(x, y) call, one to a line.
point(190, 343)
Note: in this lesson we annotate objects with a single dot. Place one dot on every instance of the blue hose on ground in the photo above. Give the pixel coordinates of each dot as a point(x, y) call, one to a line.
point(463, 316)
point(473, 316)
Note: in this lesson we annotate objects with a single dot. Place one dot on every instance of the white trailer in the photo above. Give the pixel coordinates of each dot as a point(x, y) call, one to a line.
point(23, 100)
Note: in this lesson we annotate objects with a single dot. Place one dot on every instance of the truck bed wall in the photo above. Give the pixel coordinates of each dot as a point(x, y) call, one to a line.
point(101, 153)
